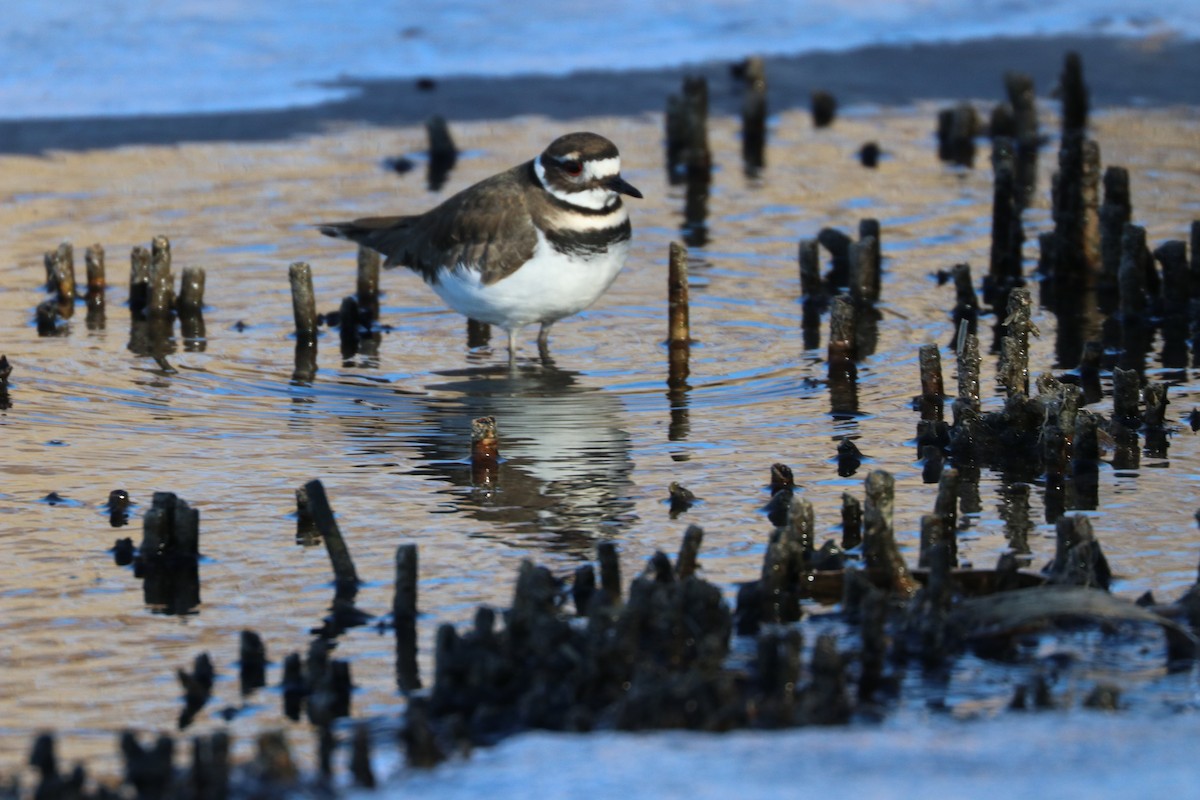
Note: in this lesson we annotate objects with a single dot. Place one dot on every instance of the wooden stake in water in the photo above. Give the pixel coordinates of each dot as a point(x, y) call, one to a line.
point(367, 290)
point(1007, 234)
point(685, 564)
point(304, 304)
point(932, 388)
point(94, 260)
point(610, 571)
point(851, 521)
point(345, 576)
point(870, 232)
point(485, 452)
point(443, 154)
point(1114, 214)
point(139, 281)
point(812, 293)
point(864, 271)
point(160, 303)
point(1131, 275)
point(304, 311)
point(956, 131)
point(754, 115)
point(678, 319)
point(1021, 97)
point(350, 327)
point(1014, 353)
point(478, 333)
point(60, 278)
point(1176, 280)
point(842, 372)
point(824, 108)
point(697, 158)
point(879, 539)
point(190, 305)
point(1194, 266)
point(969, 363)
point(404, 619)
point(1127, 390)
point(1074, 92)
point(678, 331)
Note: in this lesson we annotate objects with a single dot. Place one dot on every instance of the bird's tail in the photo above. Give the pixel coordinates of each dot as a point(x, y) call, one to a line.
point(376, 233)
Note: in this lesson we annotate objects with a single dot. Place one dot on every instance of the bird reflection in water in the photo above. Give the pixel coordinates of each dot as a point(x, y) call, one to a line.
point(564, 477)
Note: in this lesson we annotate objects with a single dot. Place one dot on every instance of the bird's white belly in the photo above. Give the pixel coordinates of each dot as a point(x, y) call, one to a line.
point(546, 288)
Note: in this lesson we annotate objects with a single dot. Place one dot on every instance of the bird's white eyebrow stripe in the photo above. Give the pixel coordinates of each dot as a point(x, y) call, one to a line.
point(595, 198)
point(603, 168)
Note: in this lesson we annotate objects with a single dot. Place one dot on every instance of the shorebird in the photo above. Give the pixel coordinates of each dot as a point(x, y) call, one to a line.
point(536, 243)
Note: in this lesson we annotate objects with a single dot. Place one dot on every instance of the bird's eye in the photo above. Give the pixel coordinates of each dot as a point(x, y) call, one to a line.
point(572, 167)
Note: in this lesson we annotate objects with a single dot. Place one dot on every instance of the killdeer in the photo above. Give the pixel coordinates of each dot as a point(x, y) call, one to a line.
point(536, 243)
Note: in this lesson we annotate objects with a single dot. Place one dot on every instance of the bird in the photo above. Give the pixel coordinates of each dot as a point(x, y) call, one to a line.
point(535, 243)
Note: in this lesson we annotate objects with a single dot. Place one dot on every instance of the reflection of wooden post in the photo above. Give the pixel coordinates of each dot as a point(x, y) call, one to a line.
point(485, 451)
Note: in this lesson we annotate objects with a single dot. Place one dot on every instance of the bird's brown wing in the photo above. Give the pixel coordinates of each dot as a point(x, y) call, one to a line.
point(486, 227)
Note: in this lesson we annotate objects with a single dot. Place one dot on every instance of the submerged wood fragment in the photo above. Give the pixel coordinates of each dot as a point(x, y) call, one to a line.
point(1000, 617)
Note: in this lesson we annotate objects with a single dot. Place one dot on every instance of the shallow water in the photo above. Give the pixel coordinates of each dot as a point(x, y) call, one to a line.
point(590, 445)
point(223, 55)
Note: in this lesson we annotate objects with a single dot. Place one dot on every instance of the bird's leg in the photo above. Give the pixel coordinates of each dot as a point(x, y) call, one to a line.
point(512, 346)
point(544, 339)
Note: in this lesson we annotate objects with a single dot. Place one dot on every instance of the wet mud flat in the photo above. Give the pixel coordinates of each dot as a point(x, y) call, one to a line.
point(765, 625)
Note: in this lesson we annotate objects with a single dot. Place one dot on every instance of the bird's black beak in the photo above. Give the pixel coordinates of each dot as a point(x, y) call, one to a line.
point(618, 184)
